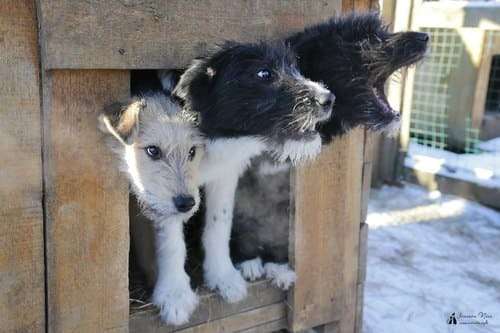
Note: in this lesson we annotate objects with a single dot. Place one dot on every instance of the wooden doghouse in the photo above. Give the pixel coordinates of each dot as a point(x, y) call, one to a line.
point(64, 239)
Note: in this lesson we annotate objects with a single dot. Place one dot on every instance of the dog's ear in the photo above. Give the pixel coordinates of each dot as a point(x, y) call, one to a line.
point(194, 85)
point(122, 120)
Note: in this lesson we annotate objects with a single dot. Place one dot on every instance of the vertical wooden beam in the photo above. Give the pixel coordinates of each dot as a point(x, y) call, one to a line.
point(324, 243)
point(22, 297)
point(398, 15)
point(86, 204)
point(363, 253)
point(325, 222)
point(491, 48)
point(462, 86)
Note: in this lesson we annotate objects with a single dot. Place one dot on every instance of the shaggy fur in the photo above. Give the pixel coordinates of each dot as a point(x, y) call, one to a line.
point(353, 56)
point(248, 98)
point(160, 151)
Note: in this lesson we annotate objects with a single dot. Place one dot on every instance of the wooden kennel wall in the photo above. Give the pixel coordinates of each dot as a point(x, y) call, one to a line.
point(64, 238)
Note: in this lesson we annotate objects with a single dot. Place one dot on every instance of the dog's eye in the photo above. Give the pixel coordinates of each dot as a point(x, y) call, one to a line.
point(153, 152)
point(264, 74)
point(192, 153)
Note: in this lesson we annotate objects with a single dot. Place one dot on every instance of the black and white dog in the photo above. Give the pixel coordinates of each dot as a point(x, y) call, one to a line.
point(248, 98)
point(353, 56)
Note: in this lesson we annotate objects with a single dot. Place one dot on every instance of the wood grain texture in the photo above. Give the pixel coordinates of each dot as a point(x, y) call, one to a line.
point(22, 296)
point(240, 321)
point(86, 205)
point(490, 49)
point(273, 326)
point(363, 253)
point(462, 87)
point(163, 34)
point(359, 5)
point(387, 149)
point(325, 222)
point(370, 139)
point(211, 308)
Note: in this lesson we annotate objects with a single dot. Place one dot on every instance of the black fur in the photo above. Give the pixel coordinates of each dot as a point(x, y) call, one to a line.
point(353, 56)
point(225, 91)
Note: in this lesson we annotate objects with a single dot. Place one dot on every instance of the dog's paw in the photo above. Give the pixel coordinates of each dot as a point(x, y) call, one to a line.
point(176, 304)
point(251, 269)
point(230, 285)
point(280, 274)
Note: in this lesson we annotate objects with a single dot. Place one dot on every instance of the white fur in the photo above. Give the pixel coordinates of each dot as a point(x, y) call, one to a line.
point(299, 151)
point(220, 273)
point(392, 130)
point(251, 269)
point(280, 274)
point(224, 162)
point(172, 293)
point(229, 155)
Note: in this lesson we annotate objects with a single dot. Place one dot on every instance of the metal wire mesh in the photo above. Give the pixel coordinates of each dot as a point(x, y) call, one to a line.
point(431, 93)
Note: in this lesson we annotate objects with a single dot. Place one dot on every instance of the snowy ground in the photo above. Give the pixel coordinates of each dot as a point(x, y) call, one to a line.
point(483, 169)
point(430, 255)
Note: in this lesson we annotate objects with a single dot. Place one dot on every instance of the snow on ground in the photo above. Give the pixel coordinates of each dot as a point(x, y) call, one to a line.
point(430, 255)
point(483, 168)
point(492, 145)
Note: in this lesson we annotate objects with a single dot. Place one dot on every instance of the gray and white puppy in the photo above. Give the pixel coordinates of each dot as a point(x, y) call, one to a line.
point(160, 151)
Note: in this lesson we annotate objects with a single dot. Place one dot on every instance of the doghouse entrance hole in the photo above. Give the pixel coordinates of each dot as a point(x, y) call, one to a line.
point(260, 223)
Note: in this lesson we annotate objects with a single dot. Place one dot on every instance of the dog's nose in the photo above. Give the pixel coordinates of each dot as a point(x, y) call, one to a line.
point(422, 37)
point(184, 203)
point(325, 99)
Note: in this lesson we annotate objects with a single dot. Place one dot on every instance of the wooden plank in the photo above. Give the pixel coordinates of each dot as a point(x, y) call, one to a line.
point(363, 253)
point(398, 14)
point(86, 202)
point(359, 5)
point(324, 236)
point(328, 328)
point(368, 157)
point(462, 86)
point(22, 295)
point(491, 48)
point(457, 15)
point(488, 196)
point(239, 321)
point(358, 328)
point(211, 308)
point(273, 326)
point(163, 34)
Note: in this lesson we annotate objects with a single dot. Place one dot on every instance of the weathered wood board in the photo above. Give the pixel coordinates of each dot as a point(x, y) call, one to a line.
point(325, 222)
point(491, 48)
point(162, 34)
point(462, 86)
point(86, 202)
point(242, 321)
point(211, 308)
point(22, 295)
